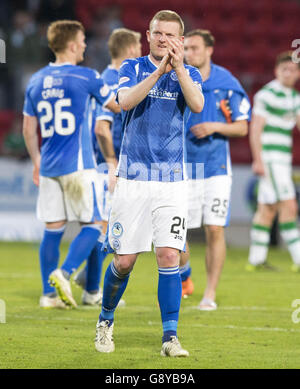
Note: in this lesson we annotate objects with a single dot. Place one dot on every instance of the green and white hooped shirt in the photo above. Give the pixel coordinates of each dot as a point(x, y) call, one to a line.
point(279, 106)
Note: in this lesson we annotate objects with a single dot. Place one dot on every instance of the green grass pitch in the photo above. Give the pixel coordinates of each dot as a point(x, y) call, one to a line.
point(252, 328)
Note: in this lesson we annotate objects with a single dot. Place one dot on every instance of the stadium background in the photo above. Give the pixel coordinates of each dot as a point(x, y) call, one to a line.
point(249, 35)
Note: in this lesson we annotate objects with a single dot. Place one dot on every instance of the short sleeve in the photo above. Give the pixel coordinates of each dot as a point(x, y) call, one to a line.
point(128, 74)
point(240, 106)
point(196, 77)
point(259, 104)
point(103, 113)
point(97, 88)
point(28, 109)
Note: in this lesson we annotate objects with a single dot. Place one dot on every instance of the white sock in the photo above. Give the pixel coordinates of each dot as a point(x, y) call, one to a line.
point(290, 234)
point(260, 239)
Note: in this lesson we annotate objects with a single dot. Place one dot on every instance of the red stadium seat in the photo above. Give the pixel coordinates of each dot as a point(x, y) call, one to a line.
point(296, 147)
point(240, 150)
point(249, 35)
point(6, 120)
point(228, 51)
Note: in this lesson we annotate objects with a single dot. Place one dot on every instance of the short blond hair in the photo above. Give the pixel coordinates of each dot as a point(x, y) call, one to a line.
point(59, 33)
point(120, 40)
point(168, 16)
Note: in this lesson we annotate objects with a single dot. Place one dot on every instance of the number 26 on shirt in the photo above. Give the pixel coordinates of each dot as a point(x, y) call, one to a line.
point(59, 116)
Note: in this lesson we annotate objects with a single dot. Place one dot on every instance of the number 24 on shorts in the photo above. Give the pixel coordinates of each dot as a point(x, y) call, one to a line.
point(175, 227)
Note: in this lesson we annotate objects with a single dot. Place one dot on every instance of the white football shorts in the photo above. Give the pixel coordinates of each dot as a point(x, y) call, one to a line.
point(277, 184)
point(146, 212)
point(209, 201)
point(72, 197)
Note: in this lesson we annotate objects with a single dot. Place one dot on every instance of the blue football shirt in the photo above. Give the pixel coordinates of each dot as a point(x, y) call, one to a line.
point(94, 108)
point(60, 97)
point(111, 77)
point(213, 151)
point(153, 142)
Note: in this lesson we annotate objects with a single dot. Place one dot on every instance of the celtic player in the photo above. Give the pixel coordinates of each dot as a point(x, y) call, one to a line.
point(276, 111)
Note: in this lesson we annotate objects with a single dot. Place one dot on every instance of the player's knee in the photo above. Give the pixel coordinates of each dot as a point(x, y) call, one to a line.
point(293, 209)
point(215, 232)
point(288, 209)
point(124, 263)
point(265, 214)
point(167, 257)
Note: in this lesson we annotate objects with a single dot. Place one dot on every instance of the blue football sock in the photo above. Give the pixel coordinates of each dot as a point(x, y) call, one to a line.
point(49, 256)
point(185, 271)
point(169, 298)
point(94, 267)
point(113, 289)
point(81, 247)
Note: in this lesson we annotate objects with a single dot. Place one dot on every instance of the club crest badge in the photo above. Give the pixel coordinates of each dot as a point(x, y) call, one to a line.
point(117, 230)
point(174, 76)
point(116, 244)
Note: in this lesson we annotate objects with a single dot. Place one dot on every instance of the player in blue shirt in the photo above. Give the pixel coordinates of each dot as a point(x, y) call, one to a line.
point(123, 43)
point(226, 112)
point(58, 99)
point(149, 203)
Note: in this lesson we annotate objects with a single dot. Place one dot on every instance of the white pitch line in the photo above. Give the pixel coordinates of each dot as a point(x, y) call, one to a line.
point(233, 327)
point(243, 308)
point(19, 275)
point(49, 318)
point(193, 325)
point(229, 326)
point(149, 308)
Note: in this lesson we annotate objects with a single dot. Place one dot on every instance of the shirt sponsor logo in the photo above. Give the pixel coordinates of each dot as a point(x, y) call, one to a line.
point(162, 94)
point(50, 82)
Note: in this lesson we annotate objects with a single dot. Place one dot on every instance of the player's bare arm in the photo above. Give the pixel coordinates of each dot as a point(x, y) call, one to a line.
point(131, 97)
point(105, 141)
point(298, 122)
point(30, 134)
point(113, 106)
point(193, 96)
point(236, 129)
point(256, 128)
